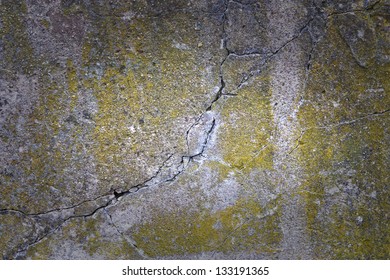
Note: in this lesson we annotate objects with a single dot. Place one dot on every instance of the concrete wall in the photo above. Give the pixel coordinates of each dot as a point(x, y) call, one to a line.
point(206, 129)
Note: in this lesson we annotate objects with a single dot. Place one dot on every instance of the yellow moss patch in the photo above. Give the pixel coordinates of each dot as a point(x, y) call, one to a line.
point(247, 127)
point(18, 54)
point(83, 233)
point(343, 155)
point(244, 226)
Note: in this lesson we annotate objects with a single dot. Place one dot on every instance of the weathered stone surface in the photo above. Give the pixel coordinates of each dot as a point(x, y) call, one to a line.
point(194, 129)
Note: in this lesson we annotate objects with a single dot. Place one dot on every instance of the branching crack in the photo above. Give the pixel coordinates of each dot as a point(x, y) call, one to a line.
point(116, 195)
point(266, 57)
point(204, 144)
point(38, 239)
point(224, 45)
point(112, 197)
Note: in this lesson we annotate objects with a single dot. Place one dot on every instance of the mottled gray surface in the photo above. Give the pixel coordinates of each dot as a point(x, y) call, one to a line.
point(194, 129)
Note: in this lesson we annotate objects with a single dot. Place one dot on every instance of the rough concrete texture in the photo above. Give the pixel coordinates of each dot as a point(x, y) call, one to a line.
point(197, 129)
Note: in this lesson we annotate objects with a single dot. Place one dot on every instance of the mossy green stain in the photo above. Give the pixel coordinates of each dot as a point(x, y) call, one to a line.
point(140, 90)
point(244, 226)
point(18, 53)
point(342, 151)
point(84, 233)
point(247, 127)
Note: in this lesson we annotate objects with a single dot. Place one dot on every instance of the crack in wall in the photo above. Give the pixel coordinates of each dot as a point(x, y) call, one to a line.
point(111, 199)
point(21, 252)
point(118, 195)
point(127, 238)
point(5, 210)
point(114, 196)
point(266, 58)
point(366, 9)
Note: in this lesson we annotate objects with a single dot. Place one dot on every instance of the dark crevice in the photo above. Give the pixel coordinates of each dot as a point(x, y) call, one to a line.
point(5, 210)
point(116, 195)
point(224, 43)
point(136, 188)
point(317, 14)
point(217, 96)
point(114, 198)
point(266, 57)
point(368, 8)
point(204, 144)
point(379, 113)
point(185, 160)
point(301, 30)
point(25, 247)
point(350, 12)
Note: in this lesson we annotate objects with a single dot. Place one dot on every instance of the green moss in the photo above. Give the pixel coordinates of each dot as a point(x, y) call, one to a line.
point(40, 251)
point(136, 74)
point(345, 164)
point(244, 226)
point(12, 223)
point(84, 233)
point(45, 23)
point(247, 128)
point(18, 53)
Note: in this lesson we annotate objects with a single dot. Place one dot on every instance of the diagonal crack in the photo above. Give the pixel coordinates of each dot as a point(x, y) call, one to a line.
point(113, 198)
point(224, 46)
point(25, 247)
point(14, 210)
point(127, 238)
point(266, 57)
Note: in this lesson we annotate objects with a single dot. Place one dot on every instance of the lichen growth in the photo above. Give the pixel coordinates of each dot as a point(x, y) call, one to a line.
point(223, 170)
point(11, 223)
point(85, 238)
point(18, 54)
point(45, 23)
point(342, 151)
point(245, 137)
point(143, 107)
point(245, 226)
